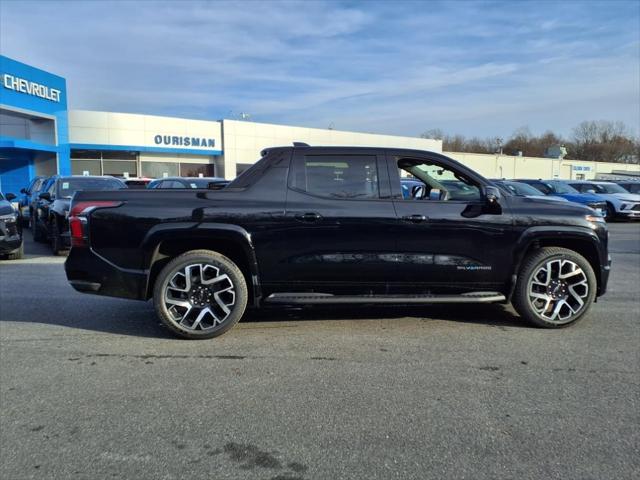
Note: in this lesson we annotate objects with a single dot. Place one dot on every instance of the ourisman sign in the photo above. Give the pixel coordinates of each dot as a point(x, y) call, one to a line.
point(21, 85)
point(184, 141)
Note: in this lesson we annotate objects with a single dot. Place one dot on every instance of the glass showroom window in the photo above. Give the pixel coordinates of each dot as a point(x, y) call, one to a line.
point(118, 168)
point(195, 169)
point(159, 169)
point(104, 162)
point(86, 161)
point(85, 166)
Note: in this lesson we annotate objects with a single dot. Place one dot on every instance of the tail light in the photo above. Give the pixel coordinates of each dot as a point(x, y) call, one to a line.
point(79, 216)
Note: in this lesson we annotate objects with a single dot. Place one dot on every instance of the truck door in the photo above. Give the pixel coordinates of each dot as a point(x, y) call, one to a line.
point(340, 222)
point(447, 235)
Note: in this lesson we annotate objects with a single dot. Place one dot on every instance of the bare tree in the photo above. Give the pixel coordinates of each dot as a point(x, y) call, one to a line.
point(604, 141)
point(591, 140)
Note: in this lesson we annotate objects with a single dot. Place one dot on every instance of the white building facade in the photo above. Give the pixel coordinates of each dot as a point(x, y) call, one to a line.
point(123, 144)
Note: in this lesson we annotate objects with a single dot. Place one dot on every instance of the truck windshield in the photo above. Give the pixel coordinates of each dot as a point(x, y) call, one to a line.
point(68, 186)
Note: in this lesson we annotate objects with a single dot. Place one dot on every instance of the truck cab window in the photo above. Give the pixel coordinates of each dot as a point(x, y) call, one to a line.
point(336, 176)
point(426, 181)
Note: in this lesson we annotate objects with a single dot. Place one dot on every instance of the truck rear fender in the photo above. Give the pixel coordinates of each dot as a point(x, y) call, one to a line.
point(166, 241)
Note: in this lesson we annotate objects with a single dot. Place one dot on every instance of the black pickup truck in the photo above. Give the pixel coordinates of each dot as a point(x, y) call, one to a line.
point(330, 225)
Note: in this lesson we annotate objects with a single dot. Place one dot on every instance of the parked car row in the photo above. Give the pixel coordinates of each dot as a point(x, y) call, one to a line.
point(608, 199)
point(44, 206)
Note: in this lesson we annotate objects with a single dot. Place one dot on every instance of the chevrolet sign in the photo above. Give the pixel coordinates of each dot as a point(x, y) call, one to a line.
point(21, 85)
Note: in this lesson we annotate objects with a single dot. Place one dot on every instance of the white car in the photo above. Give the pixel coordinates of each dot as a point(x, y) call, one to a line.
point(620, 203)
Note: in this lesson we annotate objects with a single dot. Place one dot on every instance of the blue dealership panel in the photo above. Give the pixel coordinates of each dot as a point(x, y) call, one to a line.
point(31, 95)
point(26, 94)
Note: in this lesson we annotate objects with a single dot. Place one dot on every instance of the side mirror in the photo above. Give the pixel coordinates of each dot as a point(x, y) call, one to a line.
point(9, 196)
point(45, 196)
point(492, 195)
point(23, 191)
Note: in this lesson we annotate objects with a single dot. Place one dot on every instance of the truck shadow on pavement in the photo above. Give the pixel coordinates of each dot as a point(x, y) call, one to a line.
point(131, 318)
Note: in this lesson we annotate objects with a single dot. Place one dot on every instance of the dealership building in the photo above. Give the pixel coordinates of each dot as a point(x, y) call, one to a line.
point(40, 136)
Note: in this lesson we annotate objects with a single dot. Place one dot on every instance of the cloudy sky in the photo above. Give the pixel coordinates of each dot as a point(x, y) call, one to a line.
point(476, 68)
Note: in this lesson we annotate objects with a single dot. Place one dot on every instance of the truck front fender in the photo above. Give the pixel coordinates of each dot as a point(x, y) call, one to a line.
point(583, 240)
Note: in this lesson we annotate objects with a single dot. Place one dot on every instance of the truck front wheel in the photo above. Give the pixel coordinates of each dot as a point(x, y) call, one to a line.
point(200, 294)
point(555, 288)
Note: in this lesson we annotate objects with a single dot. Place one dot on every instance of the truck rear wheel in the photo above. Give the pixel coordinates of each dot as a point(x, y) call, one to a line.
point(200, 294)
point(555, 288)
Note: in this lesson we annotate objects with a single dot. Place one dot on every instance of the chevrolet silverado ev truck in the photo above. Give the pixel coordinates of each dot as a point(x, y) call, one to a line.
point(330, 225)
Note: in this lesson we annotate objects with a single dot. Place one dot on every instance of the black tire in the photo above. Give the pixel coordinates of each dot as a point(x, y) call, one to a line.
point(56, 240)
point(223, 266)
point(36, 231)
point(530, 266)
point(16, 254)
point(610, 213)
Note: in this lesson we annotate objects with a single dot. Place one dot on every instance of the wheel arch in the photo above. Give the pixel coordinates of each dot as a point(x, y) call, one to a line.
point(166, 241)
point(583, 242)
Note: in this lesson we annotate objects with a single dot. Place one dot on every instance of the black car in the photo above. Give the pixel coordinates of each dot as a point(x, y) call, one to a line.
point(34, 198)
point(629, 185)
point(211, 183)
point(49, 221)
point(330, 225)
point(11, 245)
point(25, 199)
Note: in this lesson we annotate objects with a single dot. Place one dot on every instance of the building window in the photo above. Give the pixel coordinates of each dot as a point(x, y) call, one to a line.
point(104, 162)
point(118, 168)
point(85, 166)
point(159, 169)
point(86, 154)
point(119, 155)
point(197, 169)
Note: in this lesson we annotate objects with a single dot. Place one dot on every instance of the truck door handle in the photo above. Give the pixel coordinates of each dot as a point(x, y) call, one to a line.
point(415, 218)
point(309, 217)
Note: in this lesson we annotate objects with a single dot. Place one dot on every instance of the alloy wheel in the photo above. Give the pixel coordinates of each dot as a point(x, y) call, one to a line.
point(558, 290)
point(199, 297)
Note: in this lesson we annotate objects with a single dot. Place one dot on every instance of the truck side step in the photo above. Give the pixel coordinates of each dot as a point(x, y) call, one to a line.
point(327, 298)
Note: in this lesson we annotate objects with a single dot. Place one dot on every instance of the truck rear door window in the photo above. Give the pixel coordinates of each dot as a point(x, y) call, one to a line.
point(337, 176)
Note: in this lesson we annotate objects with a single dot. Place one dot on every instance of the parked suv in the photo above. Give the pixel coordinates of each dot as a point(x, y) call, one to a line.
point(11, 246)
point(330, 225)
point(630, 186)
point(34, 198)
point(50, 217)
point(25, 199)
point(558, 188)
point(620, 203)
point(526, 190)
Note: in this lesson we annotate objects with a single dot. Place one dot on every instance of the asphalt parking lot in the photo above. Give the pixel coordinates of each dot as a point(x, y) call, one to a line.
point(94, 388)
